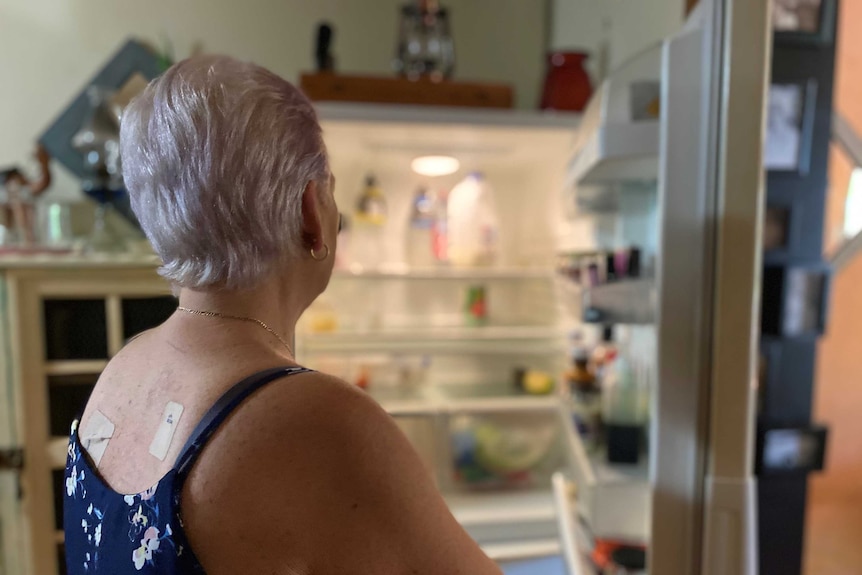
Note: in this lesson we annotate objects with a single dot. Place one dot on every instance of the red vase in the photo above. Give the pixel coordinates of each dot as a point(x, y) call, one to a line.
point(567, 84)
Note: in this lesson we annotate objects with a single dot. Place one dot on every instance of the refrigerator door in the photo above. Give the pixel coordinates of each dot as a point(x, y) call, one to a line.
point(707, 199)
point(740, 34)
point(711, 178)
point(683, 320)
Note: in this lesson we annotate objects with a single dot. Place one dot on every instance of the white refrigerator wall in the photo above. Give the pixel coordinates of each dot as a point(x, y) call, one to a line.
point(525, 169)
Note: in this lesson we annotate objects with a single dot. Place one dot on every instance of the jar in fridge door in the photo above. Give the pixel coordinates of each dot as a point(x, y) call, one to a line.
point(625, 408)
point(627, 561)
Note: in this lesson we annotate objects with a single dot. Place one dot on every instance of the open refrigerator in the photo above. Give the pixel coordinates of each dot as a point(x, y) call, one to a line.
point(639, 168)
point(685, 187)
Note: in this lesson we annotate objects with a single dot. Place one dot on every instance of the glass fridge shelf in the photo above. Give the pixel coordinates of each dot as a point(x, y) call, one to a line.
point(466, 340)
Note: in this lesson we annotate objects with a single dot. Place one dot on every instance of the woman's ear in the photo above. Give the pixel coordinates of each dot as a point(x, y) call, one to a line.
point(312, 227)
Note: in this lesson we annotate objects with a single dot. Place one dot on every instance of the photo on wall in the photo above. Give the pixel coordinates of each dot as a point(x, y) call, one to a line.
point(789, 123)
point(796, 16)
point(775, 229)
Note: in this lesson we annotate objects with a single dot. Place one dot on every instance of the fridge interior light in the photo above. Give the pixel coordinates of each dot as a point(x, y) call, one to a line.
point(433, 166)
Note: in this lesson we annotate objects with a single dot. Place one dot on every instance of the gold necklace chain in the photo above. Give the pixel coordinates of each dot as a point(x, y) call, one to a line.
point(238, 318)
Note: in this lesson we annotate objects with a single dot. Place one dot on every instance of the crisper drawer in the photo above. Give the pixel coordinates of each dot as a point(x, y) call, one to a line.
point(496, 466)
point(495, 470)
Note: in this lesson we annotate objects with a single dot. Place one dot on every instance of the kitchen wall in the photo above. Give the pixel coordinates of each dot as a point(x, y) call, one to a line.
point(50, 48)
point(627, 26)
point(838, 392)
point(834, 524)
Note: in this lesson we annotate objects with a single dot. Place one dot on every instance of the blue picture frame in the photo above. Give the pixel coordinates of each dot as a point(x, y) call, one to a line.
point(132, 58)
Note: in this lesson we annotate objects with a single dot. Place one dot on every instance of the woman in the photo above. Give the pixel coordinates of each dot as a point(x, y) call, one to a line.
point(177, 468)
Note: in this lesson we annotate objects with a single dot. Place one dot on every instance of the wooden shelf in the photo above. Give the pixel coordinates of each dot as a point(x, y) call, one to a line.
point(329, 86)
point(57, 450)
point(75, 367)
point(77, 261)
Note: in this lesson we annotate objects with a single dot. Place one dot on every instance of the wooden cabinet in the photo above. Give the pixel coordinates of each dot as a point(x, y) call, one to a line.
point(61, 323)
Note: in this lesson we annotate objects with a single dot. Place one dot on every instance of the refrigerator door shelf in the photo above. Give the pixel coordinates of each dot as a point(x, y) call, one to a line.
point(617, 153)
point(614, 500)
point(575, 544)
point(625, 302)
point(618, 140)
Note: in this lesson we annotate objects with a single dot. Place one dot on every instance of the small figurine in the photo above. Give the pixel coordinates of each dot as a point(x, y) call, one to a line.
point(18, 209)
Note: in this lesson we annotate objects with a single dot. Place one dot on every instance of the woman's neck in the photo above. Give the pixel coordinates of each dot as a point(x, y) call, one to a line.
point(271, 302)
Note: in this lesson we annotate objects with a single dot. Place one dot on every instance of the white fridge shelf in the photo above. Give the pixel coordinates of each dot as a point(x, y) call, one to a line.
point(472, 509)
point(436, 399)
point(444, 273)
point(495, 517)
point(459, 340)
point(522, 550)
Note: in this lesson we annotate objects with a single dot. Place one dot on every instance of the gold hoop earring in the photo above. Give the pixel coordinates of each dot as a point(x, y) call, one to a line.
point(325, 255)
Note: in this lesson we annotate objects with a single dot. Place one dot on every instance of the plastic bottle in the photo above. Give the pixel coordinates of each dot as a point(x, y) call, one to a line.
point(344, 252)
point(620, 402)
point(473, 225)
point(603, 353)
point(369, 219)
point(586, 395)
point(625, 405)
point(420, 229)
point(440, 230)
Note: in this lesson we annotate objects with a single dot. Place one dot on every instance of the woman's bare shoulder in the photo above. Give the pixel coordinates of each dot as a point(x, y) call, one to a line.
point(295, 413)
point(311, 461)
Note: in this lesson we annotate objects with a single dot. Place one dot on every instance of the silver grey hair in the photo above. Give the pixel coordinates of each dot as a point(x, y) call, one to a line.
point(216, 156)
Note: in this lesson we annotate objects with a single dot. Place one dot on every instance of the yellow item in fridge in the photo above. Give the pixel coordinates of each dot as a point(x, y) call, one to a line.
point(321, 317)
point(538, 382)
point(323, 323)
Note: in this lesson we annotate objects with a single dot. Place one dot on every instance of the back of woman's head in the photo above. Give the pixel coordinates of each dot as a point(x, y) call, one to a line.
point(216, 156)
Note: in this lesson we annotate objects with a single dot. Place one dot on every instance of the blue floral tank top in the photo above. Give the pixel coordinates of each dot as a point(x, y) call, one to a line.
point(115, 534)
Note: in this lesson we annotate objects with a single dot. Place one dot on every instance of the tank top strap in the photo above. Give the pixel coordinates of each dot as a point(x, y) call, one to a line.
point(223, 407)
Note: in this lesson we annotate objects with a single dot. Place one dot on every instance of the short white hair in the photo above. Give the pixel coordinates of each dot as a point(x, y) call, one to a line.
point(216, 156)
